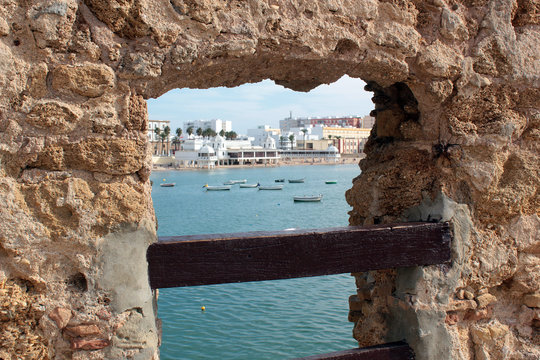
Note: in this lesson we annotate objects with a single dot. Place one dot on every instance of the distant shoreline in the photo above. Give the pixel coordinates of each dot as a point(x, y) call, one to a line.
point(343, 161)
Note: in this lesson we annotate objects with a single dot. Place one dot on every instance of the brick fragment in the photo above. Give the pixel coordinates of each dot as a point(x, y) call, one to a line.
point(61, 316)
point(83, 330)
point(89, 344)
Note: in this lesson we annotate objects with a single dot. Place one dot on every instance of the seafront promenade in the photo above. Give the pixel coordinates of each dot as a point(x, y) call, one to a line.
point(281, 162)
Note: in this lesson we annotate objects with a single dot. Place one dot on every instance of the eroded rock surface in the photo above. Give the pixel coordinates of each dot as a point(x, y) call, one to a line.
point(456, 87)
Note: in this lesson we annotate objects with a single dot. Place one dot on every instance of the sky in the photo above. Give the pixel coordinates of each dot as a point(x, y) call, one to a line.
point(263, 103)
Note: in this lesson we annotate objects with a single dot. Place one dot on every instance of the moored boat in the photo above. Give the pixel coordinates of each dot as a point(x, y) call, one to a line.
point(296, 181)
point(167, 184)
point(330, 182)
point(249, 185)
point(279, 180)
point(270, 187)
point(308, 198)
point(233, 182)
point(216, 188)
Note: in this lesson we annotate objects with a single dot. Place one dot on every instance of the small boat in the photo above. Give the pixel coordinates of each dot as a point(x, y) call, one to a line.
point(330, 182)
point(216, 188)
point(249, 185)
point(279, 180)
point(271, 187)
point(296, 181)
point(233, 182)
point(308, 198)
point(167, 184)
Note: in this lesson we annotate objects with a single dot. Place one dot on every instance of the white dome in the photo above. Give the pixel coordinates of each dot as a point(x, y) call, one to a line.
point(333, 149)
point(219, 139)
point(206, 149)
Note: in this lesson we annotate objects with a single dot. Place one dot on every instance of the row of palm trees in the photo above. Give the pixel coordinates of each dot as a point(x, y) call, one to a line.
point(211, 133)
point(164, 134)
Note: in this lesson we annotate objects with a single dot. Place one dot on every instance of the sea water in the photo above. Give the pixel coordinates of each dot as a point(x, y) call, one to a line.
point(278, 319)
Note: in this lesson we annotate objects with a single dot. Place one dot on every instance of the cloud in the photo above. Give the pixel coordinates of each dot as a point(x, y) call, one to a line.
point(263, 103)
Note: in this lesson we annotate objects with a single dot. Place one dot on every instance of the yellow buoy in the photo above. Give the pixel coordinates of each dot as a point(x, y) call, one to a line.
point(203, 308)
point(163, 179)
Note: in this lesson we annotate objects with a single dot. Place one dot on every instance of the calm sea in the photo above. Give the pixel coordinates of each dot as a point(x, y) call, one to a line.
point(258, 320)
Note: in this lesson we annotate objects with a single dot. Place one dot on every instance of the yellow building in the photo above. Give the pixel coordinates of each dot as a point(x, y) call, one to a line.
point(347, 140)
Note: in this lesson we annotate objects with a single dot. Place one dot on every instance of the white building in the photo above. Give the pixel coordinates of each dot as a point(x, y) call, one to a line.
point(159, 147)
point(218, 151)
point(331, 154)
point(215, 124)
point(153, 124)
point(260, 134)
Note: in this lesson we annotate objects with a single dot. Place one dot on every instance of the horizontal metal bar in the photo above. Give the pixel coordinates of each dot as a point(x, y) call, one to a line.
point(392, 351)
point(217, 258)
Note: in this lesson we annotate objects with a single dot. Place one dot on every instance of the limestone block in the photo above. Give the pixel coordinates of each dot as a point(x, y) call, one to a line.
point(440, 60)
point(452, 26)
point(51, 23)
point(37, 80)
point(532, 300)
point(90, 80)
point(485, 299)
point(141, 65)
point(480, 334)
point(469, 295)
point(115, 156)
point(462, 305)
point(54, 116)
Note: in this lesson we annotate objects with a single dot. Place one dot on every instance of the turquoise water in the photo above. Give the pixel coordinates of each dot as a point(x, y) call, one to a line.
point(259, 320)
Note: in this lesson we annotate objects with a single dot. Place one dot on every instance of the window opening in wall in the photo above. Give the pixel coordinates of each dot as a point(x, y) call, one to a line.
point(261, 133)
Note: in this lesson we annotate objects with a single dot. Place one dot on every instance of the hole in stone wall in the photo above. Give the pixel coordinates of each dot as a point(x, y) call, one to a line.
point(272, 319)
point(78, 282)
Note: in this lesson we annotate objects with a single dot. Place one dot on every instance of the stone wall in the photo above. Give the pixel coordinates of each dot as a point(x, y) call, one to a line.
point(456, 87)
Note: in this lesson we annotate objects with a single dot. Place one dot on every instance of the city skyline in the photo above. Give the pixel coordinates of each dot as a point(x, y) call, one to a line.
point(263, 103)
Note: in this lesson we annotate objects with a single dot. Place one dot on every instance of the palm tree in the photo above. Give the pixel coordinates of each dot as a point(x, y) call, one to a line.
point(291, 139)
point(189, 130)
point(281, 141)
point(176, 139)
point(162, 136)
point(199, 131)
point(304, 131)
point(157, 131)
point(166, 132)
point(222, 133)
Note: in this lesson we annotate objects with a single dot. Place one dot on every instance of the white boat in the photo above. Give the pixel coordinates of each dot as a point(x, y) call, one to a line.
point(296, 181)
point(216, 188)
point(308, 198)
point(249, 185)
point(167, 184)
point(271, 187)
point(233, 182)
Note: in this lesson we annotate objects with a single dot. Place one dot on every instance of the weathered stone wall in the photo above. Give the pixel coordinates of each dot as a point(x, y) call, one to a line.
point(456, 87)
